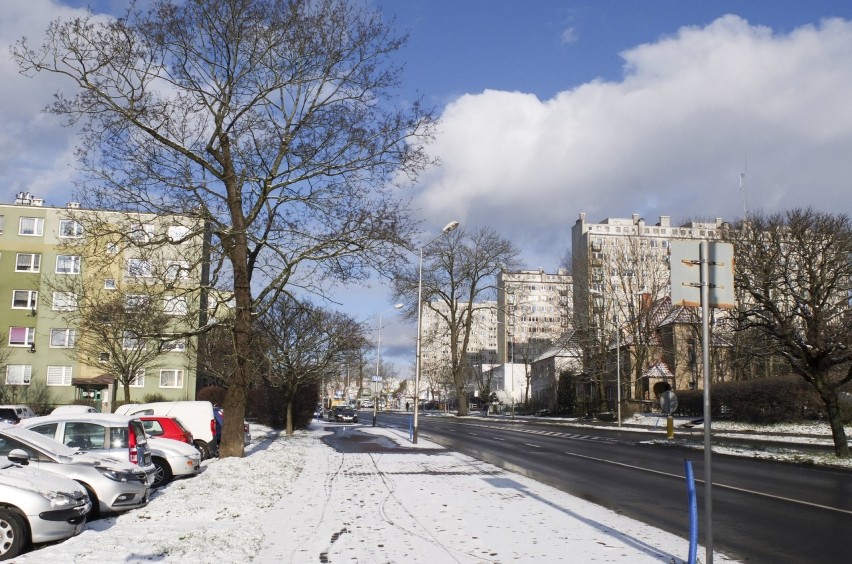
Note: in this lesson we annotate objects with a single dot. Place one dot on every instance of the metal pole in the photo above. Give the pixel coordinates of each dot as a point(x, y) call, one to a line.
point(705, 339)
point(378, 362)
point(417, 362)
point(618, 368)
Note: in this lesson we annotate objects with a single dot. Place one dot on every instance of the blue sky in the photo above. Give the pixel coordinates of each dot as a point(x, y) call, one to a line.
point(551, 108)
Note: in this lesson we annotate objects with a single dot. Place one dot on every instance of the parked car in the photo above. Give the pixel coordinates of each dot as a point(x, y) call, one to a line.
point(14, 413)
point(37, 507)
point(219, 414)
point(345, 413)
point(166, 428)
point(173, 459)
point(197, 416)
point(119, 435)
point(113, 485)
point(73, 408)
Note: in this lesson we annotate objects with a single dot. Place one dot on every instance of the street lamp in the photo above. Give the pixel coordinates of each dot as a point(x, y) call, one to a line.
point(451, 226)
point(378, 357)
point(618, 367)
point(511, 292)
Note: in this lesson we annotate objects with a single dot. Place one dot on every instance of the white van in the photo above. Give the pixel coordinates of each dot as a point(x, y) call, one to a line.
point(197, 416)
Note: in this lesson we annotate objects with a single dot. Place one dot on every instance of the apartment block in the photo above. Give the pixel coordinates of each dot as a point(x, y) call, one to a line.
point(533, 311)
point(53, 269)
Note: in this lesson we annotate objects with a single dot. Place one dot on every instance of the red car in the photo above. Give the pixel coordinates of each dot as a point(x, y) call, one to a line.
point(166, 428)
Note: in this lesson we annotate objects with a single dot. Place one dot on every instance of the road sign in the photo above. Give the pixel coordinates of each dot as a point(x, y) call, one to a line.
point(376, 379)
point(668, 401)
point(686, 273)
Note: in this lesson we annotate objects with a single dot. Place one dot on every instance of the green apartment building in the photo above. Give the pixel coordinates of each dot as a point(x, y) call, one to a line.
point(48, 256)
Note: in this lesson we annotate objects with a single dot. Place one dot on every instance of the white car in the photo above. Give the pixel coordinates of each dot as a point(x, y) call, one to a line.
point(173, 459)
point(37, 507)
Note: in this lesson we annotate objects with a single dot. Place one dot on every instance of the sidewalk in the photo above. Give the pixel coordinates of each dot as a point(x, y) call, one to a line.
point(369, 495)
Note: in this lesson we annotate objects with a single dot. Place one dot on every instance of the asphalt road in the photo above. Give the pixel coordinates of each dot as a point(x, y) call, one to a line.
point(762, 511)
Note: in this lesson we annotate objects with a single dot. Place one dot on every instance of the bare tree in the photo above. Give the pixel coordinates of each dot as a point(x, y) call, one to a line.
point(460, 275)
point(302, 344)
point(795, 271)
point(266, 120)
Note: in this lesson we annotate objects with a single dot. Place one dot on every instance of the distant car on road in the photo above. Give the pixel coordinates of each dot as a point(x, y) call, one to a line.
point(345, 413)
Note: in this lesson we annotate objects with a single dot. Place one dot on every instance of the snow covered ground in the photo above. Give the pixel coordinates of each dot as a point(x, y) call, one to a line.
point(312, 498)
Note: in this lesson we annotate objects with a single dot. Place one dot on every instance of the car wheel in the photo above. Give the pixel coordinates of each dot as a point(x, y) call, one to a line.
point(163, 474)
point(203, 449)
point(12, 534)
point(95, 511)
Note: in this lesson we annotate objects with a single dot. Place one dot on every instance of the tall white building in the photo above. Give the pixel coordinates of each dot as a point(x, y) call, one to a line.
point(533, 311)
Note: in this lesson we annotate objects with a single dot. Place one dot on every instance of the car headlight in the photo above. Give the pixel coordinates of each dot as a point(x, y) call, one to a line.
point(60, 499)
point(114, 474)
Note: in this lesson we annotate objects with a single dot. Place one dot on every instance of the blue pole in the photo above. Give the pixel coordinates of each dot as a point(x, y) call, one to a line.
point(693, 511)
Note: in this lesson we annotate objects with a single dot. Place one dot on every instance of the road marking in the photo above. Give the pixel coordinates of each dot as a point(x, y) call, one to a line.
point(532, 445)
point(715, 484)
point(498, 439)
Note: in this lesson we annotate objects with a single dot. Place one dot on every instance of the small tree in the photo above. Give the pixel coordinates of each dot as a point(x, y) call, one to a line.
point(795, 272)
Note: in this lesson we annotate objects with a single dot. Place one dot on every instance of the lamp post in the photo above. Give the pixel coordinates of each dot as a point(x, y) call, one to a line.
point(618, 367)
point(379, 356)
point(511, 292)
point(451, 226)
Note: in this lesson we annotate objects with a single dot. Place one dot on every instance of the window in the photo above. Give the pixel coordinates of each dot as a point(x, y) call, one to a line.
point(32, 226)
point(21, 336)
point(58, 375)
point(175, 305)
point(138, 380)
point(177, 232)
point(138, 268)
point(62, 338)
point(18, 374)
point(177, 270)
point(103, 357)
point(86, 436)
point(28, 262)
point(135, 302)
point(111, 248)
point(131, 341)
point(64, 301)
point(171, 378)
point(177, 345)
point(67, 264)
point(2, 223)
point(70, 228)
point(142, 233)
point(24, 299)
point(109, 284)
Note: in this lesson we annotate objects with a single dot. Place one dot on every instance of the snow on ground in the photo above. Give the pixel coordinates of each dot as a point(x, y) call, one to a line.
point(313, 498)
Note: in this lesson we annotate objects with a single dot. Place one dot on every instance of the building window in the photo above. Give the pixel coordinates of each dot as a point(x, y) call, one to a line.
point(177, 345)
point(171, 378)
point(58, 375)
point(67, 264)
point(21, 336)
point(70, 228)
point(2, 223)
point(175, 305)
point(64, 301)
point(103, 357)
point(24, 299)
point(139, 268)
point(138, 380)
point(142, 233)
point(28, 262)
point(177, 233)
point(136, 302)
point(31, 226)
point(109, 284)
point(177, 270)
point(18, 374)
point(62, 338)
point(131, 341)
point(112, 248)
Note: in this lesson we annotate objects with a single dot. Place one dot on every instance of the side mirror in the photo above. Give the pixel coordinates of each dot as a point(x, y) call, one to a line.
point(19, 456)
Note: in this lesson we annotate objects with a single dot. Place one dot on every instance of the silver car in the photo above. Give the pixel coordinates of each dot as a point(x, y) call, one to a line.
point(37, 507)
point(119, 435)
point(173, 459)
point(113, 485)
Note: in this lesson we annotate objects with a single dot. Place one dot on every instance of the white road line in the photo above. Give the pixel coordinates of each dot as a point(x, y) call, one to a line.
point(532, 445)
point(715, 484)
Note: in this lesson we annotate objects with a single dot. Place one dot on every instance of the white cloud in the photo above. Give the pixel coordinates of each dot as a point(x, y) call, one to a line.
point(569, 35)
point(669, 139)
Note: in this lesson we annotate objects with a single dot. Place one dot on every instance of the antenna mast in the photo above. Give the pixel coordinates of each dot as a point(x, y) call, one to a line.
point(743, 174)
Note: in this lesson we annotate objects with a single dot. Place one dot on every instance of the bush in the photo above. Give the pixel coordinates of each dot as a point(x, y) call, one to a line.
point(151, 398)
point(213, 394)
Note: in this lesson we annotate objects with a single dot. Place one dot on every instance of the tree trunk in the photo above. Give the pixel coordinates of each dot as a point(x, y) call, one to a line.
point(835, 421)
point(289, 424)
point(461, 393)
